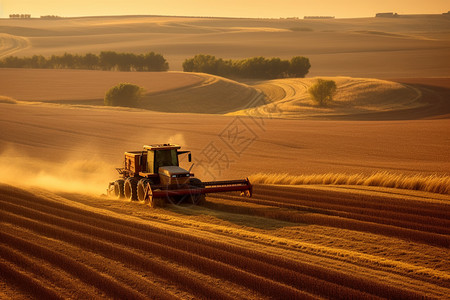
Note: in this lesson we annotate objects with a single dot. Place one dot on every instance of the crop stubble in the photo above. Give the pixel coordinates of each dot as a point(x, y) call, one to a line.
point(177, 264)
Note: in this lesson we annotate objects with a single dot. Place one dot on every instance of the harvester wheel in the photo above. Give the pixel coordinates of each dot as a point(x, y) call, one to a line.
point(118, 188)
point(130, 188)
point(197, 199)
point(150, 200)
point(141, 189)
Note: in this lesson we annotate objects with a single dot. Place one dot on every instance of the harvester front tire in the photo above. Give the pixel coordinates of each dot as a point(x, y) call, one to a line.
point(155, 202)
point(130, 188)
point(141, 186)
point(118, 188)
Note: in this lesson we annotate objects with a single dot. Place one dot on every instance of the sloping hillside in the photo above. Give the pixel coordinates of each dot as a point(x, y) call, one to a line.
point(289, 98)
point(215, 95)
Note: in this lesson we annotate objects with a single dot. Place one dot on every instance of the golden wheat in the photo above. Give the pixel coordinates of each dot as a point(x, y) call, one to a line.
point(428, 183)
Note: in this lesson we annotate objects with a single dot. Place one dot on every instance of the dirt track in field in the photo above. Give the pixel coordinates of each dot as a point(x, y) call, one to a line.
point(285, 243)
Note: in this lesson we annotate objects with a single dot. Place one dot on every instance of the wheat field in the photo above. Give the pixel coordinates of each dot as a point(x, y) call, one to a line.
point(349, 202)
point(428, 183)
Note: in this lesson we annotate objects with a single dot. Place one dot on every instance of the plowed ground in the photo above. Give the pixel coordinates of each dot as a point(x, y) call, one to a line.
point(284, 243)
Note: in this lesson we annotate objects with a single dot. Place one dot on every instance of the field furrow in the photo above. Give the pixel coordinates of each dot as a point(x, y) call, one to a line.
point(44, 270)
point(26, 283)
point(385, 203)
point(189, 258)
point(43, 230)
point(116, 253)
point(359, 223)
point(415, 221)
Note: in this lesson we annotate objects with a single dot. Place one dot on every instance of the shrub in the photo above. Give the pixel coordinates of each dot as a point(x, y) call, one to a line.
point(123, 94)
point(322, 91)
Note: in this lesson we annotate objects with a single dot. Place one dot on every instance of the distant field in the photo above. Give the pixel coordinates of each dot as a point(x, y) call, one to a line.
point(59, 133)
point(202, 93)
point(80, 85)
point(367, 47)
point(163, 91)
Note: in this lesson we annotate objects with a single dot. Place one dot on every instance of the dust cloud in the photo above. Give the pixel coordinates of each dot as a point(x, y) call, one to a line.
point(82, 171)
point(90, 176)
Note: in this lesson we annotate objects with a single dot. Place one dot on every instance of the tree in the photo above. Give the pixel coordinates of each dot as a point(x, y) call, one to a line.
point(108, 60)
point(204, 63)
point(38, 62)
point(123, 94)
point(154, 62)
point(90, 61)
point(188, 65)
point(299, 66)
point(254, 67)
point(323, 91)
point(277, 68)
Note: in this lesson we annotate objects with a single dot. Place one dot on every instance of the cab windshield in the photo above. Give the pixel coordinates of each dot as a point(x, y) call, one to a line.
point(166, 158)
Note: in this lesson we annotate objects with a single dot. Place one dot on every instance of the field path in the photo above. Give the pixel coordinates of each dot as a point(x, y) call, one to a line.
point(10, 44)
point(295, 243)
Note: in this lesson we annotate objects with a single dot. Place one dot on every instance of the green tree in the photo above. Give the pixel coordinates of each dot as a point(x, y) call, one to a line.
point(154, 62)
point(108, 60)
point(323, 91)
point(68, 61)
point(188, 65)
point(123, 94)
point(254, 67)
point(90, 61)
point(205, 64)
point(13, 62)
point(277, 68)
point(299, 66)
point(38, 62)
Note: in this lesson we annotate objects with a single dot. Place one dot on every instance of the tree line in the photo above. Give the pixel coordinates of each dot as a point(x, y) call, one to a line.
point(255, 67)
point(106, 60)
point(20, 16)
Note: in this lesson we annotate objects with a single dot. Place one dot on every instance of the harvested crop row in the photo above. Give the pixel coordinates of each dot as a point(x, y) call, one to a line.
point(385, 203)
point(62, 280)
point(345, 222)
point(414, 221)
point(92, 237)
point(104, 283)
point(362, 284)
point(135, 279)
point(181, 241)
point(26, 283)
point(287, 276)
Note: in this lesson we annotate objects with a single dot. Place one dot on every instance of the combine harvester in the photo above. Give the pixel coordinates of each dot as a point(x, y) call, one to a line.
point(155, 177)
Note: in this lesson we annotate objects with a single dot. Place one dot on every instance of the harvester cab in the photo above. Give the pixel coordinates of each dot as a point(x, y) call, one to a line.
point(155, 177)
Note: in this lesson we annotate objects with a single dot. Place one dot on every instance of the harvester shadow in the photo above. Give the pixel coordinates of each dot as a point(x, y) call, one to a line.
point(259, 218)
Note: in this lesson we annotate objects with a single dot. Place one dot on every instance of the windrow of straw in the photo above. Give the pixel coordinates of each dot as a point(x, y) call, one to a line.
point(428, 183)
